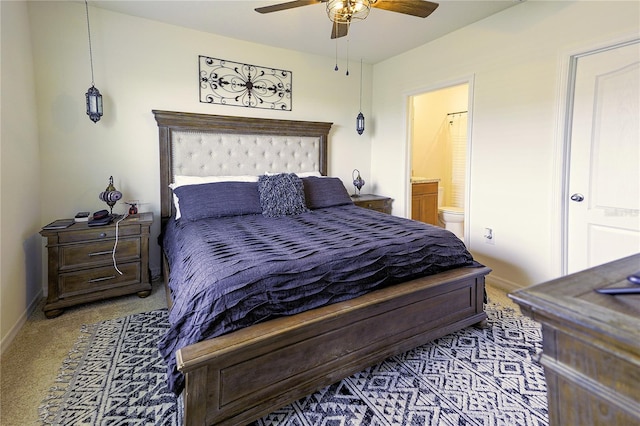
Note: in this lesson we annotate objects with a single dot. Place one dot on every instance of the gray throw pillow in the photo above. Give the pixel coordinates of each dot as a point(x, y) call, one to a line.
point(281, 195)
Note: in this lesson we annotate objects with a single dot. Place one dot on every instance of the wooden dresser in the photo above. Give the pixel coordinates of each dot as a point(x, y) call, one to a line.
point(424, 202)
point(80, 266)
point(373, 202)
point(591, 345)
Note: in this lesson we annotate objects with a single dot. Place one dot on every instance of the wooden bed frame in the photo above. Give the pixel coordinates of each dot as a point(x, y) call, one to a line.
point(239, 377)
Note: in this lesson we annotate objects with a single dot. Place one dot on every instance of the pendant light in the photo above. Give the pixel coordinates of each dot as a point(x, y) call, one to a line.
point(360, 117)
point(94, 98)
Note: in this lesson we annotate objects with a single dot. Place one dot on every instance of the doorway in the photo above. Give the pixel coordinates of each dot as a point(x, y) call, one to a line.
point(602, 186)
point(439, 148)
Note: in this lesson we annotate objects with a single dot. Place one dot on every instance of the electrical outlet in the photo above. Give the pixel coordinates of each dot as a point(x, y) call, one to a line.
point(489, 236)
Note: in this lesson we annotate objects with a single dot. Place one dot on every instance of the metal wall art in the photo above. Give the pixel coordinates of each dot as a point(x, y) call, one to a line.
point(232, 83)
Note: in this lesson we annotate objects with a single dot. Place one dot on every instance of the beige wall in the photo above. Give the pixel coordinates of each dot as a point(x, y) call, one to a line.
point(139, 65)
point(516, 60)
point(20, 286)
point(142, 65)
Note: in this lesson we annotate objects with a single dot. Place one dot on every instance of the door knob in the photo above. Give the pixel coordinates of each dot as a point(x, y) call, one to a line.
point(577, 197)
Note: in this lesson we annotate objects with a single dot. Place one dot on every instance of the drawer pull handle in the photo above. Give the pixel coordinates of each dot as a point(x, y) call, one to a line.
point(97, 280)
point(103, 234)
point(100, 253)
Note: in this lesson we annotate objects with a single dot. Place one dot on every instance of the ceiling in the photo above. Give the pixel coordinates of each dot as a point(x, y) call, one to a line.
point(307, 29)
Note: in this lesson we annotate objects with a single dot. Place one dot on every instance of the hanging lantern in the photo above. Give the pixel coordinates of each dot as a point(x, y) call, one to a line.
point(94, 98)
point(94, 103)
point(360, 117)
point(360, 123)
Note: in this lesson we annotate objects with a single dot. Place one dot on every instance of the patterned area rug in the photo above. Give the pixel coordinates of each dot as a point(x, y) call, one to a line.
point(477, 376)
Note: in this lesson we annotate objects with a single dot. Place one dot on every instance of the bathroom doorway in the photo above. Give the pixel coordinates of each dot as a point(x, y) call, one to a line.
point(439, 148)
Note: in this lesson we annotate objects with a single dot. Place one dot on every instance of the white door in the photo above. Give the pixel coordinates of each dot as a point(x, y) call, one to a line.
point(604, 169)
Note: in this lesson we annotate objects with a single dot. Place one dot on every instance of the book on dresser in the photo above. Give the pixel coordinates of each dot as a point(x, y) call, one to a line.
point(82, 217)
point(59, 224)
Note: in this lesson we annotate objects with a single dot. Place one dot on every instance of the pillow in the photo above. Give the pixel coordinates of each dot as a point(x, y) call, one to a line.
point(325, 192)
point(307, 174)
point(218, 199)
point(281, 195)
point(181, 180)
point(299, 174)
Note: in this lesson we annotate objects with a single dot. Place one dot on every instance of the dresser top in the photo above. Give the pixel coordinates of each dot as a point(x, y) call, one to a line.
point(368, 197)
point(142, 218)
point(573, 299)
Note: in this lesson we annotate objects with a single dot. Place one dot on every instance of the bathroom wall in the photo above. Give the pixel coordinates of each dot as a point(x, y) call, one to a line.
point(430, 147)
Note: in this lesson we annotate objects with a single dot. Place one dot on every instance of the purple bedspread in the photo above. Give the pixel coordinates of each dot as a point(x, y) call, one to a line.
point(231, 272)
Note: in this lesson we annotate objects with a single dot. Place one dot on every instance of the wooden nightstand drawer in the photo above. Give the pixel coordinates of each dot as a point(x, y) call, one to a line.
point(96, 233)
point(374, 205)
point(96, 279)
point(86, 255)
point(373, 202)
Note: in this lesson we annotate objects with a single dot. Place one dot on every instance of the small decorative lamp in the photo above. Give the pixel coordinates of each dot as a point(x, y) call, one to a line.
point(358, 182)
point(94, 98)
point(110, 195)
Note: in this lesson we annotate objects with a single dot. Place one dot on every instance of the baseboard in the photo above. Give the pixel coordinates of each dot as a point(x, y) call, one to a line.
point(502, 284)
point(11, 335)
point(155, 273)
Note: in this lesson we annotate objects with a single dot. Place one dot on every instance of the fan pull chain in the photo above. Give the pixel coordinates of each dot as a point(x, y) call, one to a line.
point(336, 68)
point(360, 84)
point(347, 57)
point(335, 30)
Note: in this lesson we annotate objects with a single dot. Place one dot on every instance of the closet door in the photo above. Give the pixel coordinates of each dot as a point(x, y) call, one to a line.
point(604, 166)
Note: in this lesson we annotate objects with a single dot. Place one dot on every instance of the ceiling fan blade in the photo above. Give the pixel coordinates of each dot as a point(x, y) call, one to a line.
point(419, 8)
point(339, 30)
point(285, 6)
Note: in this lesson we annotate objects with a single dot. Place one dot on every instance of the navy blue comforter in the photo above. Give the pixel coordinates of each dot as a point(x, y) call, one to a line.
point(231, 272)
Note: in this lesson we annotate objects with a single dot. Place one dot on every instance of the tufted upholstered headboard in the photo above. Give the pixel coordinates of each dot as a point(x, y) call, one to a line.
point(217, 145)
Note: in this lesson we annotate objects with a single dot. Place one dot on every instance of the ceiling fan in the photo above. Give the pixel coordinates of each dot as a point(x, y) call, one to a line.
point(343, 12)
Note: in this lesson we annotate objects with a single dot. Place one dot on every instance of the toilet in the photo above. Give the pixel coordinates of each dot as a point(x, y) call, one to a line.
point(449, 217)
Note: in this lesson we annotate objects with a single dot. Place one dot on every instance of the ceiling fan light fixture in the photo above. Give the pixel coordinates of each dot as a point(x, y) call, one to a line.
point(345, 11)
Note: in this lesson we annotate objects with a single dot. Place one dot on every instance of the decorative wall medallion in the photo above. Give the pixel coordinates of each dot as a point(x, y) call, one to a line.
point(231, 83)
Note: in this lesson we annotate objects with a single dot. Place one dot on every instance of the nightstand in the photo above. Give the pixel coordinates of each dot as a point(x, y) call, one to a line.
point(80, 266)
point(373, 202)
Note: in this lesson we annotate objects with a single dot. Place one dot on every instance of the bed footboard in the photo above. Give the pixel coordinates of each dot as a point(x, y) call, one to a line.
point(239, 377)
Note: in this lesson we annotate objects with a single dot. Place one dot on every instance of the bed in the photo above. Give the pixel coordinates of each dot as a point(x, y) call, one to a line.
point(235, 369)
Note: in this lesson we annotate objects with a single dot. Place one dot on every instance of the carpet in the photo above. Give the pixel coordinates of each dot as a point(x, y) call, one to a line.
point(476, 376)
